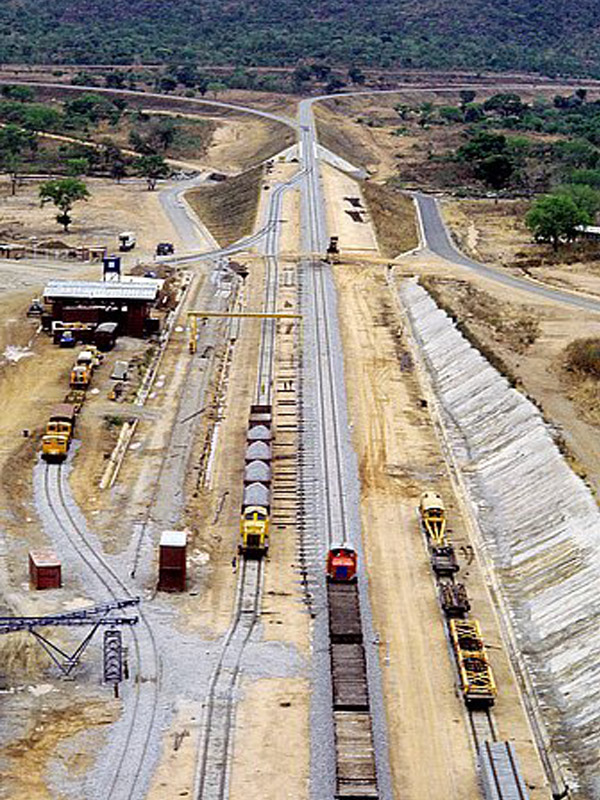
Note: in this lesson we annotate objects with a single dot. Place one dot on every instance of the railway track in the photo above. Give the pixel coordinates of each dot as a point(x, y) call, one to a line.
point(212, 781)
point(128, 766)
point(483, 728)
point(212, 778)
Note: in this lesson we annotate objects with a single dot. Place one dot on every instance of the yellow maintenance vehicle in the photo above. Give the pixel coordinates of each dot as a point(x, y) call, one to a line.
point(59, 432)
point(433, 518)
point(81, 375)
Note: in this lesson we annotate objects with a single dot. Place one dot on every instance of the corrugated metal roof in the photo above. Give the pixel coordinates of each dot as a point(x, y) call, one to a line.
point(101, 290)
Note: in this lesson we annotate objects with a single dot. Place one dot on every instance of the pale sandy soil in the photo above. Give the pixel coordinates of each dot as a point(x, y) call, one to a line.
point(45, 726)
point(399, 457)
point(354, 236)
point(112, 208)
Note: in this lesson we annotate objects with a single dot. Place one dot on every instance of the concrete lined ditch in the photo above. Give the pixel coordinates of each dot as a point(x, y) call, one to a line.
point(541, 528)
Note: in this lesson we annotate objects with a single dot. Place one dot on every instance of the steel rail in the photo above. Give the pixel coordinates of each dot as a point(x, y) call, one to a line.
point(108, 578)
point(211, 780)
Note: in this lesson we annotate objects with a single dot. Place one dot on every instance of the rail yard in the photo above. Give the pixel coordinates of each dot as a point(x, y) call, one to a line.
point(274, 570)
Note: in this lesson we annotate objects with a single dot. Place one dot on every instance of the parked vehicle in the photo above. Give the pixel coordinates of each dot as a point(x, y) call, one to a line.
point(127, 241)
point(67, 339)
point(165, 249)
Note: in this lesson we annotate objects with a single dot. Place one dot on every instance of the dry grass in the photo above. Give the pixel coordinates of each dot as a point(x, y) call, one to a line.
point(583, 355)
point(393, 215)
point(342, 139)
point(517, 327)
point(228, 209)
point(21, 658)
point(581, 364)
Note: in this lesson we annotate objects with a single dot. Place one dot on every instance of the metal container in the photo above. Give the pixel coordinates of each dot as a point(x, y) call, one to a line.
point(44, 570)
point(258, 451)
point(259, 433)
point(256, 494)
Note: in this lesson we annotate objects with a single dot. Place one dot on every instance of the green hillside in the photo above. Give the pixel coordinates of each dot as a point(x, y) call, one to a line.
point(551, 36)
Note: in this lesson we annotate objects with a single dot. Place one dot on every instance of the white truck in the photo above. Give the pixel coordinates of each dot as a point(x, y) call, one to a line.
point(126, 241)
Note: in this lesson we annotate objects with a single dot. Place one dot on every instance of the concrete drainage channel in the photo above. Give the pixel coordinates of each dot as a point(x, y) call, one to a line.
point(539, 527)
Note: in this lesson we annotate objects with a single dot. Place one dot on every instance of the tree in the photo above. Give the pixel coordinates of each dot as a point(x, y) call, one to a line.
point(334, 85)
point(356, 75)
point(216, 87)
point(495, 170)
point(77, 166)
point(585, 197)
point(64, 193)
point(482, 145)
point(13, 141)
point(555, 217)
point(152, 168)
point(22, 94)
point(320, 71)
point(467, 96)
point(507, 104)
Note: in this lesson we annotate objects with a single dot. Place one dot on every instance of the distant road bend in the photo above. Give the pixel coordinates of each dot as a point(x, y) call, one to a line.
point(437, 239)
point(434, 231)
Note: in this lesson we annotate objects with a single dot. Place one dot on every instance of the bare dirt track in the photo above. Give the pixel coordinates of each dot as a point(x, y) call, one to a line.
point(399, 458)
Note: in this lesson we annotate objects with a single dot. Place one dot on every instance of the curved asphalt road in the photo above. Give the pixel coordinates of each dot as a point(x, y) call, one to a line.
point(437, 240)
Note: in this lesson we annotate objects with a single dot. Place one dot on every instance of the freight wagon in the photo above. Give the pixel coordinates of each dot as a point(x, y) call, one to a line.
point(256, 502)
point(356, 777)
point(477, 682)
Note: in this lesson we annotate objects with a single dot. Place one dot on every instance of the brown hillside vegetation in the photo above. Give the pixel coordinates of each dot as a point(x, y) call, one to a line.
point(228, 209)
point(394, 218)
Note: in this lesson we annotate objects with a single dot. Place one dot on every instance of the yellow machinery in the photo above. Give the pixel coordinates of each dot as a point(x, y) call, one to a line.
point(80, 376)
point(194, 315)
point(254, 531)
point(59, 431)
point(433, 518)
point(476, 677)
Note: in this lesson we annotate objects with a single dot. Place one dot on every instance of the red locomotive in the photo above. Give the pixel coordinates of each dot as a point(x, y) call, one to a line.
point(341, 564)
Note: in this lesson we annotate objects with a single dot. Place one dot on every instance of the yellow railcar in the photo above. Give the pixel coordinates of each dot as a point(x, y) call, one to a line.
point(478, 686)
point(433, 518)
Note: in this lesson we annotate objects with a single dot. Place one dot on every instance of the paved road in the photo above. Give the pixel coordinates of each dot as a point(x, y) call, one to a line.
point(438, 241)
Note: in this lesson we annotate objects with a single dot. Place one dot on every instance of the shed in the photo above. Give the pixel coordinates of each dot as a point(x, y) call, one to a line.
point(172, 561)
point(45, 570)
point(126, 302)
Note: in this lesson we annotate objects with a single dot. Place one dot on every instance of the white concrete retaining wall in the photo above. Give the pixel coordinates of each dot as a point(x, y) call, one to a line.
point(541, 526)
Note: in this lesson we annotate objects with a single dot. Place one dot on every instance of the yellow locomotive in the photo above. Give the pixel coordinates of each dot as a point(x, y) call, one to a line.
point(254, 531)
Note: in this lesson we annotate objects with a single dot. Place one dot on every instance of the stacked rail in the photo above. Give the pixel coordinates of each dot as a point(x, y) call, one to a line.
point(356, 775)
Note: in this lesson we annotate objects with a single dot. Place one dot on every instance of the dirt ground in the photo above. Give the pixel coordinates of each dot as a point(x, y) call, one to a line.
point(495, 232)
point(112, 208)
point(399, 458)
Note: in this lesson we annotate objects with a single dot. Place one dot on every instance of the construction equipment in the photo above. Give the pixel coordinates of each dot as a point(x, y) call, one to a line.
point(454, 599)
point(127, 241)
point(341, 564)
point(433, 518)
point(476, 678)
point(81, 376)
point(76, 397)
